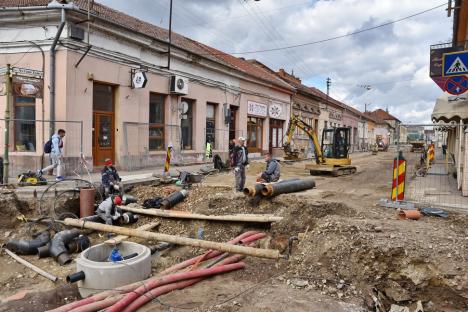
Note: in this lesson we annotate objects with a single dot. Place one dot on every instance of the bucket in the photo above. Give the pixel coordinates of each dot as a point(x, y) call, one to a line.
point(409, 214)
point(87, 201)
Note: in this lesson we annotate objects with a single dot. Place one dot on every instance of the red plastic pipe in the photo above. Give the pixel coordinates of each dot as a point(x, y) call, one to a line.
point(99, 305)
point(170, 279)
point(207, 255)
point(131, 287)
point(156, 292)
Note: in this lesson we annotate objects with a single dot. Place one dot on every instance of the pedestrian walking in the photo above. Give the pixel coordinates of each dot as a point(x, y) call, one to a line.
point(241, 159)
point(54, 147)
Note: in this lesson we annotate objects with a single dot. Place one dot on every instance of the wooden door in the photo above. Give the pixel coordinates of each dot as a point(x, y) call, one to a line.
point(103, 137)
point(103, 123)
point(232, 124)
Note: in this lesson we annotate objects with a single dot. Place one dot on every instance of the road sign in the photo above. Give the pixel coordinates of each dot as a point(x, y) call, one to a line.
point(456, 85)
point(455, 64)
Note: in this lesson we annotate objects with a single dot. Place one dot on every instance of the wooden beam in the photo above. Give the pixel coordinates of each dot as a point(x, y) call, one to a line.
point(120, 238)
point(257, 218)
point(250, 251)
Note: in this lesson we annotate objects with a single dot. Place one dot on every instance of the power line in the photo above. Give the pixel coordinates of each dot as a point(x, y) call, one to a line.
point(263, 27)
point(341, 36)
point(282, 9)
point(272, 34)
point(300, 63)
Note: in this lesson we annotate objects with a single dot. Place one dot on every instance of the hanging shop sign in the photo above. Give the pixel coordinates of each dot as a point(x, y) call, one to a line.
point(275, 110)
point(139, 80)
point(27, 86)
point(258, 109)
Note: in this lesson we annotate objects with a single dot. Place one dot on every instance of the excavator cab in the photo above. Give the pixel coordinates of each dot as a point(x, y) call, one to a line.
point(336, 142)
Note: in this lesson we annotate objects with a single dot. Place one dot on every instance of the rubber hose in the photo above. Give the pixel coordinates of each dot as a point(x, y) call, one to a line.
point(28, 247)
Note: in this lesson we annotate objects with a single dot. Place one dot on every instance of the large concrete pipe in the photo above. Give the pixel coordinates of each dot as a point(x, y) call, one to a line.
point(289, 186)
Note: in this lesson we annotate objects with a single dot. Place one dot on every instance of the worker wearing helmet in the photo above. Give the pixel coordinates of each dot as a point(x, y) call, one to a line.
point(108, 211)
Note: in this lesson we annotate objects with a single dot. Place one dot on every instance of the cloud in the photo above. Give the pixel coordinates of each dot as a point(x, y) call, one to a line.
point(393, 59)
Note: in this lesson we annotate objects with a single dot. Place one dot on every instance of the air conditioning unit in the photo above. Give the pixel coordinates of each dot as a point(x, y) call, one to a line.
point(179, 85)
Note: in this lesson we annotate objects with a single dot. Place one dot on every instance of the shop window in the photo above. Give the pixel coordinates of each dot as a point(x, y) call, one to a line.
point(156, 122)
point(254, 134)
point(25, 129)
point(186, 125)
point(276, 131)
point(210, 130)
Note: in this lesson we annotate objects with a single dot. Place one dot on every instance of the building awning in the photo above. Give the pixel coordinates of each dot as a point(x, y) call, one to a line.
point(450, 108)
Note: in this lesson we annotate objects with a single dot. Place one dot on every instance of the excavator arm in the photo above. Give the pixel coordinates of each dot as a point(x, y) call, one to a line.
point(294, 123)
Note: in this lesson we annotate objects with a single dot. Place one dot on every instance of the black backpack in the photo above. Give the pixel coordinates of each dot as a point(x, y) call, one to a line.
point(48, 147)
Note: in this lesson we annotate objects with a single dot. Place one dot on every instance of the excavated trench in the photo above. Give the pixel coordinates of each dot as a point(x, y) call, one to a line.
point(342, 251)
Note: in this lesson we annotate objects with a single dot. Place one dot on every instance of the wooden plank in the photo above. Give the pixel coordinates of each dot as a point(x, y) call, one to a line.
point(257, 218)
point(120, 238)
point(174, 239)
point(31, 266)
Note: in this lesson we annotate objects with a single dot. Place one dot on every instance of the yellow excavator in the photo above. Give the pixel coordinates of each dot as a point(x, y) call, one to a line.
point(331, 157)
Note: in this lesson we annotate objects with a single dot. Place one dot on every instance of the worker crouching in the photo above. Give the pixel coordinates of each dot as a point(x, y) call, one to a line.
point(110, 214)
point(272, 171)
point(110, 179)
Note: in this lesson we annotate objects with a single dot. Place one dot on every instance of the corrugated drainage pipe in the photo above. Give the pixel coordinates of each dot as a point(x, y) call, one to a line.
point(287, 187)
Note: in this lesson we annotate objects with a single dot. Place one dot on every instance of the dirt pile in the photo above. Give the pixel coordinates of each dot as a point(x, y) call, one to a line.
point(399, 261)
point(10, 208)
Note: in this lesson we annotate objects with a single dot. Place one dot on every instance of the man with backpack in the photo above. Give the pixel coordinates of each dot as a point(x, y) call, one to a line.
point(54, 148)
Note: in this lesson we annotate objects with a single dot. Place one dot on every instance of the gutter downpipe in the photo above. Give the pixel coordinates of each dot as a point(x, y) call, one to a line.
point(52, 72)
point(42, 100)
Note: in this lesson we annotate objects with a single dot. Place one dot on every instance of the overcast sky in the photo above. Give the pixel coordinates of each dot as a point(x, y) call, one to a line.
point(393, 59)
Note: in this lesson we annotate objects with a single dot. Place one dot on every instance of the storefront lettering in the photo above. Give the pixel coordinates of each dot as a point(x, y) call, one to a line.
point(27, 86)
point(254, 108)
point(335, 115)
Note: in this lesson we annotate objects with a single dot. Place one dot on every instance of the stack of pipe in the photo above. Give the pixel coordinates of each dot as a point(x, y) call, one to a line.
point(131, 297)
point(283, 187)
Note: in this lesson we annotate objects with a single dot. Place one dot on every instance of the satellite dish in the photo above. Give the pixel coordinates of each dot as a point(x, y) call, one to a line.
point(183, 107)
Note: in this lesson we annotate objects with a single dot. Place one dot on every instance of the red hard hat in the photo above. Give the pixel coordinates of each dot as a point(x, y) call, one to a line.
point(117, 200)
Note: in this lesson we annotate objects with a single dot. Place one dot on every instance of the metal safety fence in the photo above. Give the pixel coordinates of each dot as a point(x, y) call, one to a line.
point(145, 144)
point(23, 141)
point(434, 157)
